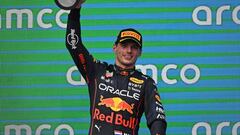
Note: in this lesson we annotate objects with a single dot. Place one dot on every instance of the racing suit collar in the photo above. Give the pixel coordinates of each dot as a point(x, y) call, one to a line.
point(124, 72)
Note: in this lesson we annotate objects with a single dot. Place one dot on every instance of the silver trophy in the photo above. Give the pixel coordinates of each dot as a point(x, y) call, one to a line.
point(68, 4)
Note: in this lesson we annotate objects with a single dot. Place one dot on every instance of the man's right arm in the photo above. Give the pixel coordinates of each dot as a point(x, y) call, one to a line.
point(83, 60)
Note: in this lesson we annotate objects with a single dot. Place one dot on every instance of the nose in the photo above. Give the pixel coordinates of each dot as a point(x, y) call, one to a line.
point(129, 49)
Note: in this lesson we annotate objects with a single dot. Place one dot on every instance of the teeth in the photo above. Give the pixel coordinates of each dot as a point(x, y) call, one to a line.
point(128, 56)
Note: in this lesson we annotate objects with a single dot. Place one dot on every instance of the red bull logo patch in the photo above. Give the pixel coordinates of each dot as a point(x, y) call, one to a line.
point(114, 118)
point(116, 104)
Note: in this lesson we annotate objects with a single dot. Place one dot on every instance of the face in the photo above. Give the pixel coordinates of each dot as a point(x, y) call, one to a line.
point(126, 54)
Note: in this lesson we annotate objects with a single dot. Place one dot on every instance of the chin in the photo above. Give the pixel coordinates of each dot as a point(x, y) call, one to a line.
point(128, 63)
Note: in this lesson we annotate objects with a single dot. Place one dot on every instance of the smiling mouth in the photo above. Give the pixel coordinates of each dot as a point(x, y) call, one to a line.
point(128, 57)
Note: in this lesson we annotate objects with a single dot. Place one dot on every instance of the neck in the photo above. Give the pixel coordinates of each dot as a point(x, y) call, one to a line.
point(125, 67)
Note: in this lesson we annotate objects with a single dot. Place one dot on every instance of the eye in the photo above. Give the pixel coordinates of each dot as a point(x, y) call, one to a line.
point(123, 45)
point(135, 47)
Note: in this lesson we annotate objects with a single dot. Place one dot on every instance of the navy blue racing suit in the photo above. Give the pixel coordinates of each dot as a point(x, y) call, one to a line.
point(118, 97)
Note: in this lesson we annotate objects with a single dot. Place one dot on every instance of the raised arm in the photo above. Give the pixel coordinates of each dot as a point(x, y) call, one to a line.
point(83, 60)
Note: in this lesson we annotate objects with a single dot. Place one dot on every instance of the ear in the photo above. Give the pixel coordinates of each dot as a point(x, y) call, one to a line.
point(114, 48)
point(140, 53)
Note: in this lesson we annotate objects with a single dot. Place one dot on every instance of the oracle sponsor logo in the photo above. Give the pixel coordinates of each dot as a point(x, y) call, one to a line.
point(124, 93)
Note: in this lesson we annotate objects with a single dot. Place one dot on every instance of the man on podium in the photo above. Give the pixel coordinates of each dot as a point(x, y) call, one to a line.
point(119, 94)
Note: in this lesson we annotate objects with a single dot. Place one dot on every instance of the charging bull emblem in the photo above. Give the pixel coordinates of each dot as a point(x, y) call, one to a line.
point(116, 104)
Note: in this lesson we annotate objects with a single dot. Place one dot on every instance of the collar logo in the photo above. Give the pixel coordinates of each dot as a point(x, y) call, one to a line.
point(124, 73)
point(108, 74)
point(137, 81)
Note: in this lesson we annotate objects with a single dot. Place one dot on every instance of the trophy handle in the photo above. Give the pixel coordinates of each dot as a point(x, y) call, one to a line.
point(80, 3)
